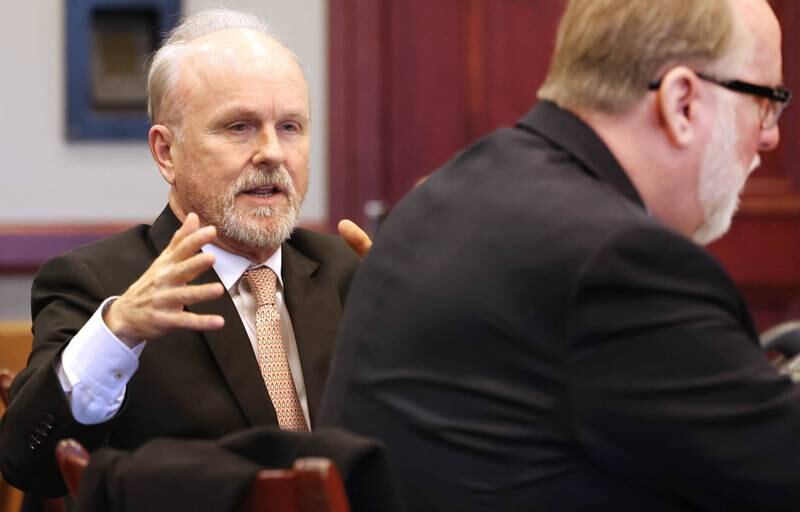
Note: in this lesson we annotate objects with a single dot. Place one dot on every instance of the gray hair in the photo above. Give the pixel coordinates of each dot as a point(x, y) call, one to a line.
point(607, 51)
point(165, 64)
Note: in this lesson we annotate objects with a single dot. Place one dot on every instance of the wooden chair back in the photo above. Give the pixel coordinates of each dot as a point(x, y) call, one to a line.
point(72, 459)
point(312, 485)
point(6, 377)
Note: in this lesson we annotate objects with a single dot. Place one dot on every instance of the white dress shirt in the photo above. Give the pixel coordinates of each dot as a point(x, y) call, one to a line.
point(96, 366)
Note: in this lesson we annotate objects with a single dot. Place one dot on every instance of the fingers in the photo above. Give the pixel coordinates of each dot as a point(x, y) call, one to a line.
point(189, 238)
point(154, 304)
point(188, 295)
point(189, 269)
point(190, 224)
point(356, 238)
point(192, 242)
point(191, 321)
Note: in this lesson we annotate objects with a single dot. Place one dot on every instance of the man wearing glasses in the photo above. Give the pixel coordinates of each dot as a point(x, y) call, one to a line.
point(564, 342)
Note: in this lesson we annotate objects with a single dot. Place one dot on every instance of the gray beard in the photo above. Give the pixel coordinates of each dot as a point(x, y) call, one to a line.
point(246, 226)
point(249, 230)
point(722, 178)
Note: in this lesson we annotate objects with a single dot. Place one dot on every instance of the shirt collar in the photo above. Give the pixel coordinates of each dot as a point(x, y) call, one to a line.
point(230, 267)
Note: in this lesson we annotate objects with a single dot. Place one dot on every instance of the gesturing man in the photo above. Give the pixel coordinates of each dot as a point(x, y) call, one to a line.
point(555, 338)
point(219, 316)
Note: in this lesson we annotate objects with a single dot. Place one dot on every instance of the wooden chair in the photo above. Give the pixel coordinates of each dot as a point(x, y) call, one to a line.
point(15, 344)
point(312, 485)
point(72, 459)
point(6, 377)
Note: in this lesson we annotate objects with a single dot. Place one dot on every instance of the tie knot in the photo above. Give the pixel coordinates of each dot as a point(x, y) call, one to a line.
point(262, 285)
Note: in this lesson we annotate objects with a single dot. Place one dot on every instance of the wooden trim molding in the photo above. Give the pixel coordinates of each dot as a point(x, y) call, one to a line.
point(23, 248)
point(15, 344)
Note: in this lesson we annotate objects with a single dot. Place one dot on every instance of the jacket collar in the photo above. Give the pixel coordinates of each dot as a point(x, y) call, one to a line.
point(567, 131)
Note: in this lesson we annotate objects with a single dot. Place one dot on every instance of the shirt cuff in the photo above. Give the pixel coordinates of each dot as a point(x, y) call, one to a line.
point(95, 369)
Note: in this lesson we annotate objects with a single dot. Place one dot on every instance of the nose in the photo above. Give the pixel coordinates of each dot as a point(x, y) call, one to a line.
point(769, 139)
point(269, 150)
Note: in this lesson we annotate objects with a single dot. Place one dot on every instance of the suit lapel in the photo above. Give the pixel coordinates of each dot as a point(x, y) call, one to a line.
point(230, 345)
point(162, 230)
point(315, 309)
point(234, 354)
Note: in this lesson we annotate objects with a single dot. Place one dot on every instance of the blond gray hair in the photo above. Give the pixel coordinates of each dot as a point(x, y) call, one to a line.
point(608, 51)
point(162, 77)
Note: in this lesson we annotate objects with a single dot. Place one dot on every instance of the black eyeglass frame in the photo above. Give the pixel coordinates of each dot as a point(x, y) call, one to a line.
point(779, 94)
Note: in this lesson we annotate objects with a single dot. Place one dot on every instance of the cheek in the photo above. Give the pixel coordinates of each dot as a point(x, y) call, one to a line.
point(298, 166)
point(300, 178)
point(220, 167)
point(747, 135)
point(747, 152)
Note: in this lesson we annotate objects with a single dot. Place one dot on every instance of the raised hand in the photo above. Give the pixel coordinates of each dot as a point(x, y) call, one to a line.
point(154, 304)
point(355, 237)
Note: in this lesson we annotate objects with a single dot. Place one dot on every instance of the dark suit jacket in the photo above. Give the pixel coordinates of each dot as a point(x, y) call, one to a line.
point(189, 384)
point(172, 474)
point(524, 336)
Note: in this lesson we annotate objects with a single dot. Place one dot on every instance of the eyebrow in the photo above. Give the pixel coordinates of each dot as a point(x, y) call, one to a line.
point(225, 113)
point(297, 114)
point(246, 112)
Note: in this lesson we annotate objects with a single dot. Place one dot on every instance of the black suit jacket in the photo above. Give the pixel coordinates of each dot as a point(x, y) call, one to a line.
point(524, 336)
point(172, 474)
point(188, 384)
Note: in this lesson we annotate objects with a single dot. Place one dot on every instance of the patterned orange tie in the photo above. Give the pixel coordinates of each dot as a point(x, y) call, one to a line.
point(272, 357)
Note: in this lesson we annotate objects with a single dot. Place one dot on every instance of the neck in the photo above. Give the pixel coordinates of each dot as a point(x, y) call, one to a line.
point(662, 175)
point(259, 255)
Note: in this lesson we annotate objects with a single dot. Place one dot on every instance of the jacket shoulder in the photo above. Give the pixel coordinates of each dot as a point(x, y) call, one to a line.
point(330, 251)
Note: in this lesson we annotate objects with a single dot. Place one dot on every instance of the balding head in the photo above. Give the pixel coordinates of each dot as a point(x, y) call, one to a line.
point(163, 96)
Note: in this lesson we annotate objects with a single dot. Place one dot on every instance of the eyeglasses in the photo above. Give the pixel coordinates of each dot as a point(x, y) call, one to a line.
point(770, 111)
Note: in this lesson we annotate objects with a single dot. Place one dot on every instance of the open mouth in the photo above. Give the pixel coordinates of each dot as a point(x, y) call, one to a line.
point(263, 191)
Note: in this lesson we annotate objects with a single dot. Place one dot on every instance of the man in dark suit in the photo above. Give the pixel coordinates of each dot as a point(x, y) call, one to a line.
point(537, 326)
point(157, 332)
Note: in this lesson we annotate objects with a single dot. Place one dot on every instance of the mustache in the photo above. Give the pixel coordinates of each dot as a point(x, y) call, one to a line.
point(277, 177)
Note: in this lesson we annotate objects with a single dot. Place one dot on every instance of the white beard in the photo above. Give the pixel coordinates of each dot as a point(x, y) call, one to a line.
point(247, 226)
point(722, 177)
point(254, 227)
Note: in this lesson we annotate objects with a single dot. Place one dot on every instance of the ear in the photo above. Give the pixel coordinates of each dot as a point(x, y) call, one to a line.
point(679, 101)
point(161, 141)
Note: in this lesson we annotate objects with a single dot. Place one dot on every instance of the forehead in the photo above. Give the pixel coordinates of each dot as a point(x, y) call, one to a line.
point(758, 41)
point(241, 67)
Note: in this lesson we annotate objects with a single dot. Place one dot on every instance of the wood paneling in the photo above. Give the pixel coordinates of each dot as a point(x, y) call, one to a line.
point(23, 248)
point(762, 249)
point(414, 81)
point(15, 345)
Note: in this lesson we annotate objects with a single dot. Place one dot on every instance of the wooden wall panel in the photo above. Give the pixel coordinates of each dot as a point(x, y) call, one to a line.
point(783, 161)
point(357, 100)
point(520, 35)
point(762, 249)
point(414, 81)
point(426, 116)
